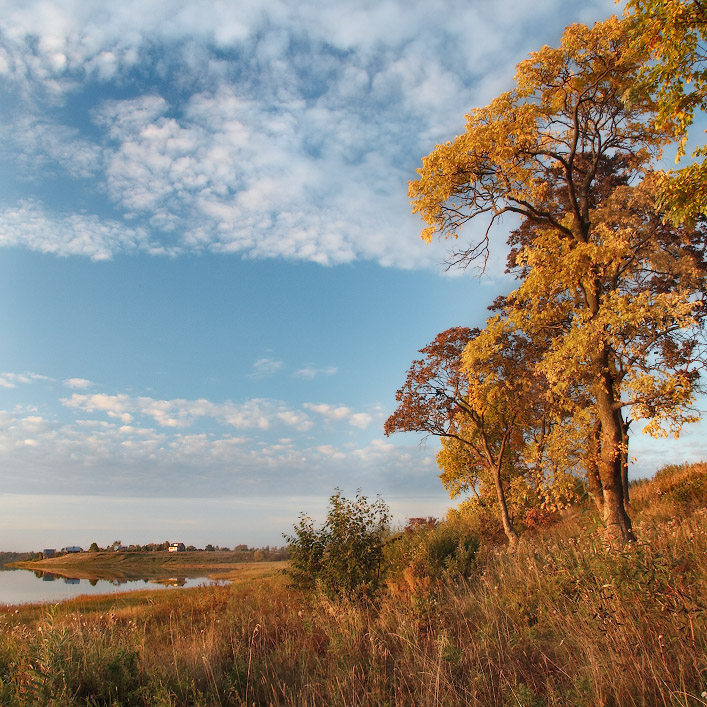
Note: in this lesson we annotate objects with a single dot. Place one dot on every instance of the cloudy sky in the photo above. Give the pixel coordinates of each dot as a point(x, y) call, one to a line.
point(211, 285)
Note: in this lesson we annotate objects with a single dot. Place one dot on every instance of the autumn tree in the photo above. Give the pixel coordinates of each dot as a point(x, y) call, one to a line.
point(619, 306)
point(647, 321)
point(640, 257)
point(472, 388)
point(675, 33)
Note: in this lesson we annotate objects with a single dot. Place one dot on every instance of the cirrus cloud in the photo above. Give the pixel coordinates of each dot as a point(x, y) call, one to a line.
point(285, 131)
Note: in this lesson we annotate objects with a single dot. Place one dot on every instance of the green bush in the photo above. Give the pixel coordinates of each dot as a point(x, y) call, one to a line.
point(425, 555)
point(344, 557)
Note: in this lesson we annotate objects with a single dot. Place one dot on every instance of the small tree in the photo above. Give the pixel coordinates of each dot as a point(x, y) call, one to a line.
point(475, 390)
point(344, 557)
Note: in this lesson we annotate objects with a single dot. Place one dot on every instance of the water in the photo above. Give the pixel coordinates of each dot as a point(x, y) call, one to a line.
point(20, 586)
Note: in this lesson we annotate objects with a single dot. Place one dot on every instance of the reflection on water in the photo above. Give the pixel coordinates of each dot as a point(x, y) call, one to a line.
point(18, 586)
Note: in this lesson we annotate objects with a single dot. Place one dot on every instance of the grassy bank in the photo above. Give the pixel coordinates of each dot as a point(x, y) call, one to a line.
point(10, 557)
point(563, 621)
point(148, 565)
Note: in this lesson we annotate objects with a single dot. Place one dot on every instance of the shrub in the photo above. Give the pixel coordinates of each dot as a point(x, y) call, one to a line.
point(425, 556)
point(344, 557)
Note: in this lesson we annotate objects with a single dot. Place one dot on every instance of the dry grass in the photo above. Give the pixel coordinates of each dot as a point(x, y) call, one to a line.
point(564, 621)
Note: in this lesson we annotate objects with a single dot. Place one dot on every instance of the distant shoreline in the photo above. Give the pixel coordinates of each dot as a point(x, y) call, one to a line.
point(154, 565)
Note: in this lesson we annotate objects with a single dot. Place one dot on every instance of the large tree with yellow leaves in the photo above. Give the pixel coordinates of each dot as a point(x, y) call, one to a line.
point(617, 296)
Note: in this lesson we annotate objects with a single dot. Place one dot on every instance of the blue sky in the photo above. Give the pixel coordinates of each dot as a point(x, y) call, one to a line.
point(211, 284)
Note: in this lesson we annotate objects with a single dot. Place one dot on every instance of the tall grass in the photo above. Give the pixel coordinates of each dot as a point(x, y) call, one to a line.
point(563, 621)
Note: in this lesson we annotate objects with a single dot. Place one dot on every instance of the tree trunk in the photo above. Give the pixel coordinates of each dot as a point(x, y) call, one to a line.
point(505, 517)
point(617, 523)
point(624, 458)
point(593, 479)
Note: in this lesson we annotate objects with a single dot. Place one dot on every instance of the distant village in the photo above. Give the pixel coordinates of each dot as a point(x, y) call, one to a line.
point(242, 552)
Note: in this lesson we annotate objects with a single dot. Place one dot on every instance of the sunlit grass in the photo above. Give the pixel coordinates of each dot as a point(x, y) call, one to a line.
point(563, 621)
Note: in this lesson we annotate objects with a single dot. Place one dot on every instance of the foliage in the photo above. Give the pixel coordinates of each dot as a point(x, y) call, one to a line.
point(344, 556)
point(424, 557)
point(475, 390)
point(675, 32)
point(611, 299)
point(565, 114)
point(8, 557)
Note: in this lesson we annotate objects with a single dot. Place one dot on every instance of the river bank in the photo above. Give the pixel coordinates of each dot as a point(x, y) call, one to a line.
point(153, 565)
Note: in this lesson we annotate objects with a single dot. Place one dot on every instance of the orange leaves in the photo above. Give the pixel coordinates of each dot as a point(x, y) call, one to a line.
point(607, 312)
point(566, 116)
point(675, 32)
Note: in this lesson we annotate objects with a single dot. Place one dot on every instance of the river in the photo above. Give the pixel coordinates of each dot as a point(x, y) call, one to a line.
point(21, 586)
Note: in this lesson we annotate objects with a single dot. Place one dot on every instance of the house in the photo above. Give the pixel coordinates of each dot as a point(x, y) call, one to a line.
point(177, 547)
point(49, 552)
point(73, 548)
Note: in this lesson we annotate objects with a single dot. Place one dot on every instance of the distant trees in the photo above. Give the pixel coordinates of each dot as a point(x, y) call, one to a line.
point(611, 304)
point(244, 552)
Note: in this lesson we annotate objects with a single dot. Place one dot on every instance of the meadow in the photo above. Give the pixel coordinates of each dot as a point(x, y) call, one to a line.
point(565, 620)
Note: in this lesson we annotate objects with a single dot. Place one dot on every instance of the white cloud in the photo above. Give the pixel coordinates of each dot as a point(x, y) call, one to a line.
point(109, 457)
point(256, 413)
point(10, 380)
point(28, 225)
point(42, 146)
point(179, 413)
point(296, 419)
point(292, 132)
point(266, 367)
point(311, 372)
point(330, 412)
point(360, 420)
point(77, 383)
point(338, 413)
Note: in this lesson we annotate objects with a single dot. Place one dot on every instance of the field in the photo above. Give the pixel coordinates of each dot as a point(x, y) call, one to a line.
point(149, 565)
point(563, 621)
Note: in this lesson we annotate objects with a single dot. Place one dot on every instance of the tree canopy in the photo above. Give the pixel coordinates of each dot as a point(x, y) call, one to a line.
point(675, 34)
point(476, 390)
point(610, 296)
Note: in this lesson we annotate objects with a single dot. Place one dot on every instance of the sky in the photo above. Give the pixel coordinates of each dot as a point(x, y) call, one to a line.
point(211, 284)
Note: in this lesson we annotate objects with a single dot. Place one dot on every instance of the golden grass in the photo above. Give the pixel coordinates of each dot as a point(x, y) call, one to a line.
point(563, 621)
